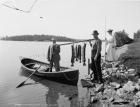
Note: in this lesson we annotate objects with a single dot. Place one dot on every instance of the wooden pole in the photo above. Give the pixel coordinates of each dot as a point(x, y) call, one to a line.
point(76, 42)
point(105, 40)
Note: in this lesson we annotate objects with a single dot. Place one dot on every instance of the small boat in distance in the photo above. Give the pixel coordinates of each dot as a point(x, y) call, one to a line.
point(65, 75)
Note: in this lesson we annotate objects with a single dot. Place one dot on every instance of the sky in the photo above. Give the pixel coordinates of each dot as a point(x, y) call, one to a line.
point(71, 18)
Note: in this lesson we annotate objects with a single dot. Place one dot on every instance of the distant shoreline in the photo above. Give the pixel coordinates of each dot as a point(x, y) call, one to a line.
point(44, 38)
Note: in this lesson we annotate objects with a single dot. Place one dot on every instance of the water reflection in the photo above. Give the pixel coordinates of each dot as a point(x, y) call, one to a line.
point(57, 95)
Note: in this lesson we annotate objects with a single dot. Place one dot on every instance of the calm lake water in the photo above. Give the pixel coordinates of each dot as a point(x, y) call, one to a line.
point(37, 92)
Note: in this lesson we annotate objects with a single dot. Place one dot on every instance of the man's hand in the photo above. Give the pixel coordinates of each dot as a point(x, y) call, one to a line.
point(90, 43)
point(114, 46)
point(95, 58)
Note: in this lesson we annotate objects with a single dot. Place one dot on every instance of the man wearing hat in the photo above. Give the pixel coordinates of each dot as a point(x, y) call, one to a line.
point(96, 58)
point(53, 55)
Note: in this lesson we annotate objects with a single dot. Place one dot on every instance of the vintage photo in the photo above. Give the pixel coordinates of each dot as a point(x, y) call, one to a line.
point(69, 53)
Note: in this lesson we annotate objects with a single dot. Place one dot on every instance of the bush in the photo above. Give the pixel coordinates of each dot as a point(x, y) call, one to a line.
point(137, 34)
point(122, 38)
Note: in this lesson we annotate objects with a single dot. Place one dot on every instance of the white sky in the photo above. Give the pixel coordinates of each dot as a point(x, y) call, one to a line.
point(70, 18)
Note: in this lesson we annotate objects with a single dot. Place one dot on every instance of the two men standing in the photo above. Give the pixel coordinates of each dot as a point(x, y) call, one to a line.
point(54, 57)
point(96, 47)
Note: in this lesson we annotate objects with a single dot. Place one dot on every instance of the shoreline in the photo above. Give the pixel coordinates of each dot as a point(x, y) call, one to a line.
point(122, 84)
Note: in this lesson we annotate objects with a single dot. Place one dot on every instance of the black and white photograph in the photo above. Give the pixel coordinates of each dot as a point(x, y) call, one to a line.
point(69, 53)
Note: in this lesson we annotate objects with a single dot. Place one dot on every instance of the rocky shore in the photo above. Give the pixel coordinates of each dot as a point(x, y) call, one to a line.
point(121, 86)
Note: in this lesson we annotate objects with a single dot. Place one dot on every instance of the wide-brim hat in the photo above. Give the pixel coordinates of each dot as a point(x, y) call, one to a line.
point(110, 30)
point(95, 32)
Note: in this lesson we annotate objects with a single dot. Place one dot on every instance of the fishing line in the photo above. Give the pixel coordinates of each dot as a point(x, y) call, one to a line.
point(15, 8)
point(105, 40)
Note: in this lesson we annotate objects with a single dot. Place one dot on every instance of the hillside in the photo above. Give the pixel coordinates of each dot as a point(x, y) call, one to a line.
point(130, 55)
point(38, 38)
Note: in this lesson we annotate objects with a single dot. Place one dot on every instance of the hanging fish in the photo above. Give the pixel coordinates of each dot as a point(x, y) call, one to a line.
point(84, 54)
point(79, 53)
point(72, 55)
point(76, 53)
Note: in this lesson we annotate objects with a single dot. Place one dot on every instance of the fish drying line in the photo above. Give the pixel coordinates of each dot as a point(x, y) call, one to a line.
point(15, 8)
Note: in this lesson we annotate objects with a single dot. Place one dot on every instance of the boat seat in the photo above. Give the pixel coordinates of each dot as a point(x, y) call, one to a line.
point(43, 69)
point(36, 66)
point(30, 65)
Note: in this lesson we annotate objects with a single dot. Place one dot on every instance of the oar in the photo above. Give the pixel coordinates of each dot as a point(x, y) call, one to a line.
point(27, 78)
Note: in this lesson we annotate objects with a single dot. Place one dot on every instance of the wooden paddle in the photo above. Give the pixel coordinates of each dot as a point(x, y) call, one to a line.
point(27, 78)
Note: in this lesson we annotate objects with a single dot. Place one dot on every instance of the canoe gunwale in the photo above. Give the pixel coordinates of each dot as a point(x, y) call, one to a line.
point(67, 69)
point(65, 75)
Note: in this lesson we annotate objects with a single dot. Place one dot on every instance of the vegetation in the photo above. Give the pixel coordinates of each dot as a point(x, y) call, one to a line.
point(38, 38)
point(122, 38)
point(137, 34)
point(131, 57)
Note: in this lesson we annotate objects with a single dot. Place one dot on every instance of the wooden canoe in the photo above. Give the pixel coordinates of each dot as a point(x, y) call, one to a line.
point(65, 75)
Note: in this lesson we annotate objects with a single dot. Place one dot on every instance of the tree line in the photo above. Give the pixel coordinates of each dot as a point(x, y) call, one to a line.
point(121, 38)
point(38, 38)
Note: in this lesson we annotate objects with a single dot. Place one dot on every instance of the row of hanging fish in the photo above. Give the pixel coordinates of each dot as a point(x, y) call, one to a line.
point(78, 54)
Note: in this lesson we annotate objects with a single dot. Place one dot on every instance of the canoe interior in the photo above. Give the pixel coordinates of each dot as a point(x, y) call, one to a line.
point(34, 64)
point(65, 75)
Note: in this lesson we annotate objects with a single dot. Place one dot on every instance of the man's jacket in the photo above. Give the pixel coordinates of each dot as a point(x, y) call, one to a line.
point(53, 51)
